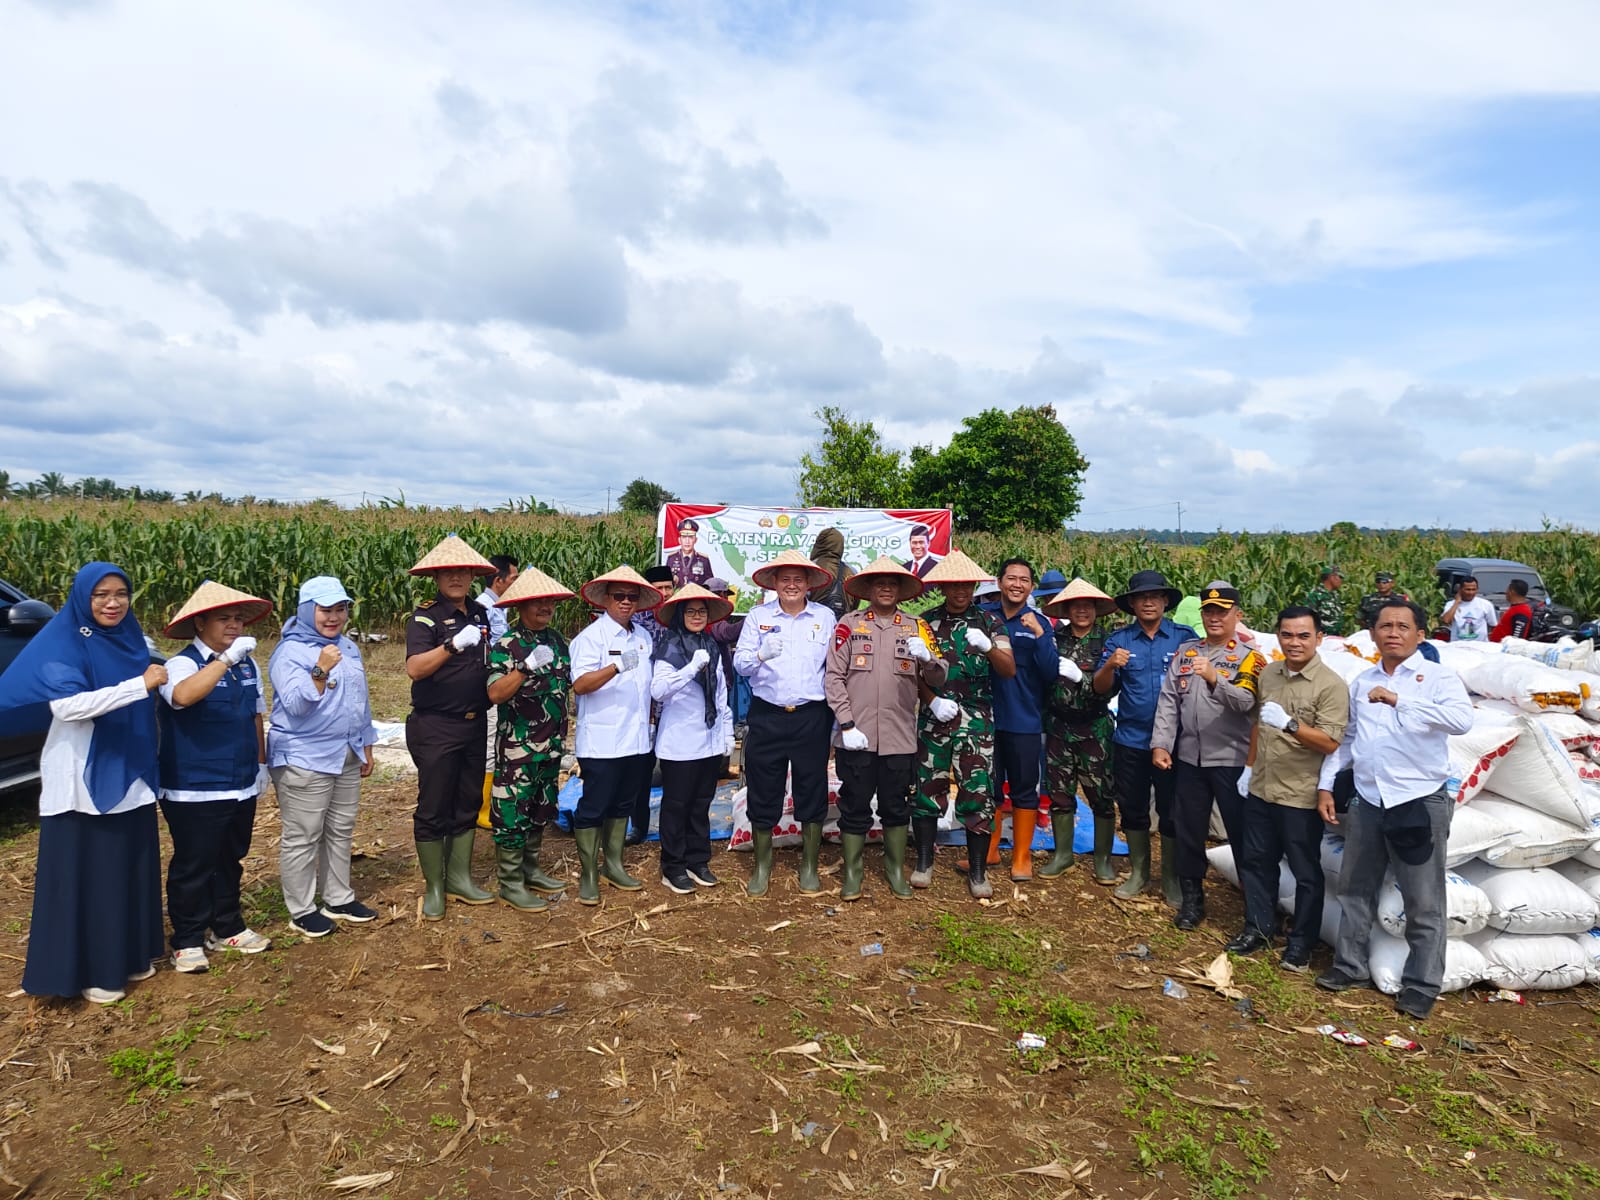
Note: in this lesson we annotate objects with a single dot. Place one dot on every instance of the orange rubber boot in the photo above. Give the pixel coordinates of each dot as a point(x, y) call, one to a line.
point(1022, 823)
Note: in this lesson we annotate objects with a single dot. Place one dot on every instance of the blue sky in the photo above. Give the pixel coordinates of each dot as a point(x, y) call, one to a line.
point(1284, 267)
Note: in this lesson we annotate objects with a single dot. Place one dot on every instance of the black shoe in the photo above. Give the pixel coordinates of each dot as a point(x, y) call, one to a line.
point(313, 924)
point(1192, 910)
point(1335, 980)
point(355, 912)
point(636, 836)
point(1413, 1004)
point(703, 876)
point(678, 882)
point(1295, 959)
point(1247, 941)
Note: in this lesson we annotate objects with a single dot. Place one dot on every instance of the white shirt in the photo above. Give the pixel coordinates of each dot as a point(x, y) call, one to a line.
point(1473, 620)
point(614, 719)
point(498, 621)
point(66, 751)
point(181, 667)
point(794, 676)
point(681, 732)
point(1400, 751)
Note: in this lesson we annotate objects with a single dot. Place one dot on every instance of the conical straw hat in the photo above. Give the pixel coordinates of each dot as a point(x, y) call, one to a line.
point(533, 584)
point(453, 551)
point(956, 567)
point(716, 607)
point(910, 586)
point(1078, 589)
point(816, 577)
point(595, 590)
point(210, 596)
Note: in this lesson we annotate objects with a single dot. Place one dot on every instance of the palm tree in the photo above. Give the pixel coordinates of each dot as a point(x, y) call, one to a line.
point(54, 484)
point(6, 489)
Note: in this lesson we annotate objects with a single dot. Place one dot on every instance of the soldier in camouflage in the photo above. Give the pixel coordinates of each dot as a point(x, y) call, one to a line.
point(1324, 601)
point(529, 678)
point(1078, 729)
point(955, 731)
point(1373, 601)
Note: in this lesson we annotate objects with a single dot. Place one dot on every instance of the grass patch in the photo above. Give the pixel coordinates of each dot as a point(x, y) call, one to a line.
point(980, 943)
point(153, 1072)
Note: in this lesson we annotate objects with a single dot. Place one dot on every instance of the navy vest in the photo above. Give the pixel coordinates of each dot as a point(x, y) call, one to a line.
point(211, 746)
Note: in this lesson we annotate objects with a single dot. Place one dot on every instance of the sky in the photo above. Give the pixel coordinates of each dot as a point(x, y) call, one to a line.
point(1275, 266)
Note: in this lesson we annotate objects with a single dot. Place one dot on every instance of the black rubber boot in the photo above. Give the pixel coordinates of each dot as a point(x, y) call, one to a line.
point(924, 830)
point(1191, 905)
point(978, 885)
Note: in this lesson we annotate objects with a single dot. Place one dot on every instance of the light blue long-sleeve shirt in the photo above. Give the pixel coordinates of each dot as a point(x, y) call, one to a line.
point(314, 731)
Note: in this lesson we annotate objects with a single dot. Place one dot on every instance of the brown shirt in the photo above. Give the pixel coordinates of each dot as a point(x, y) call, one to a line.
point(1285, 771)
point(871, 678)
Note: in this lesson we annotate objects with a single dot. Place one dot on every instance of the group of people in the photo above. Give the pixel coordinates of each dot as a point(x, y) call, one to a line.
point(1466, 617)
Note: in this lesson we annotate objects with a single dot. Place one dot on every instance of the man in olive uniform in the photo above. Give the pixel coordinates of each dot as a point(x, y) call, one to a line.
point(1383, 583)
point(877, 662)
point(955, 735)
point(1324, 601)
point(447, 663)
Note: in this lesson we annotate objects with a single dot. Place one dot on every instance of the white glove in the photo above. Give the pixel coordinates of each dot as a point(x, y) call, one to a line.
point(627, 660)
point(698, 660)
point(1069, 670)
point(979, 641)
point(235, 654)
point(729, 745)
point(1272, 714)
point(853, 739)
point(467, 638)
point(1244, 782)
point(770, 649)
point(918, 649)
point(943, 709)
point(541, 658)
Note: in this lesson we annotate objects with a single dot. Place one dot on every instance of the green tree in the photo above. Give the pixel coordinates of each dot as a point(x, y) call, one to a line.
point(6, 487)
point(851, 467)
point(52, 484)
point(1003, 470)
point(642, 496)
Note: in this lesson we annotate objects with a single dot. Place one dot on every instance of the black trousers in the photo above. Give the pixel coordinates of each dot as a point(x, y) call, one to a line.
point(1273, 832)
point(686, 792)
point(863, 775)
point(1016, 763)
point(610, 788)
point(778, 744)
point(1134, 775)
point(209, 841)
point(1198, 788)
point(448, 752)
point(639, 815)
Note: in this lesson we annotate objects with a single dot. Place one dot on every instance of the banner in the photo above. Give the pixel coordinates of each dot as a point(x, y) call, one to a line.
point(733, 540)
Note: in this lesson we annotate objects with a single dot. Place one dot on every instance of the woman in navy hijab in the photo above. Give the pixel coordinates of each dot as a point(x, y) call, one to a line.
point(97, 890)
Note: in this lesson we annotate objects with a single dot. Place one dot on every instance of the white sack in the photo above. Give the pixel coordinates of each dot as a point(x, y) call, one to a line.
point(1342, 662)
point(1590, 856)
point(1332, 914)
point(1333, 858)
point(1582, 875)
point(1466, 908)
point(1537, 840)
point(1567, 654)
point(1544, 962)
point(1476, 754)
point(1538, 773)
point(1386, 961)
point(1530, 686)
point(1221, 857)
point(1474, 830)
point(1533, 900)
point(1591, 943)
point(1570, 729)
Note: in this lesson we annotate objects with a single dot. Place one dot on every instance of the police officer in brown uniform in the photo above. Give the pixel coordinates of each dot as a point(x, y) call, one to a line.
point(447, 646)
point(875, 663)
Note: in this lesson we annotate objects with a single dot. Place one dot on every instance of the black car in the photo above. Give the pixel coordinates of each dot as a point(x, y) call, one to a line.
point(20, 741)
point(1551, 620)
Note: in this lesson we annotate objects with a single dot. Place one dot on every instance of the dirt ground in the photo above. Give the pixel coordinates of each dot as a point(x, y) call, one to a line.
point(714, 1045)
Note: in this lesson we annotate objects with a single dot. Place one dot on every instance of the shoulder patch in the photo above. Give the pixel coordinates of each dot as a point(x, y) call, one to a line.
point(841, 634)
point(422, 620)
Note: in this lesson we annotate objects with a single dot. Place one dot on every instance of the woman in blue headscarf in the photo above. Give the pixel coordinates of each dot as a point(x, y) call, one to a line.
point(97, 889)
point(319, 749)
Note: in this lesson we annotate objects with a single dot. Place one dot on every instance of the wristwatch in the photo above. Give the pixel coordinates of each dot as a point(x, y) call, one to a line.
point(317, 672)
point(1293, 727)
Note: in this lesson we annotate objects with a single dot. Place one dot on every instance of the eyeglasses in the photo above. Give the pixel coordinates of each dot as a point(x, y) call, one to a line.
point(120, 595)
point(625, 597)
point(696, 610)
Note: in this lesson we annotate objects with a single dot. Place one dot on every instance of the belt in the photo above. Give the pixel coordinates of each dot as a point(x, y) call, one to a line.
point(435, 712)
point(789, 708)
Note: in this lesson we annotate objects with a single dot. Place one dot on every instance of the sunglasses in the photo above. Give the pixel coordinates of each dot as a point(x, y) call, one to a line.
point(625, 597)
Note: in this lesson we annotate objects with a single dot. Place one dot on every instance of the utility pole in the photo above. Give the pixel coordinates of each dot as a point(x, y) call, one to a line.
point(608, 502)
point(1179, 503)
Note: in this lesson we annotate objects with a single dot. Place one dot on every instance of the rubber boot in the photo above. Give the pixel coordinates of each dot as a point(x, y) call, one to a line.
point(531, 874)
point(761, 874)
point(588, 841)
point(810, 847)
point(1022, 822)
point(1191, 905)
point(993, 853)
point(512, 890)
point(1062, 826)
point(1170, 888)
point(431, 856)
point(1138, 864)
point(854, 846)
point(458, 871)
point(923, 831)
point(1105, 837)
point(611, 870)
point(978, 885)
point(894, 861)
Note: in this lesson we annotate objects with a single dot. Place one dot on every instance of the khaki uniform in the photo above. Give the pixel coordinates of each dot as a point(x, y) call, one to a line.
point(1285, 771)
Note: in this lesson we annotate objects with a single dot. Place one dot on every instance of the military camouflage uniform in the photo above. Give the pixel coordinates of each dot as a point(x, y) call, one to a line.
point(1329, 609)
point(530, 738)
point(1369, 606)
point(1077, 730)
point(961, 749)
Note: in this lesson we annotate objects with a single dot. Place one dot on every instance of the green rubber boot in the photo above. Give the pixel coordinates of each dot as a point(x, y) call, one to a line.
point(810, 847)
point(1171, 889)
point(1105, 837)
point(611, 869)
point(458, 871)
point(531, 874)
point(431, 856)
point(588, 842)
point(761, 876)
point(1138, 864)
point(512, 890)
point(894, 860)
point(854, 846)
point(1061, 828)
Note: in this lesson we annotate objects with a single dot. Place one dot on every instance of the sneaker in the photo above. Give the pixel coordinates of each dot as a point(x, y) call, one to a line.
point(246, 941)
point(190, 960)
point(1298, 961)
point(677, 883)
point(143, 975)
point(312, 924)
point(103, 995)
point(703, 876)
point(1335, 980)
point(355, 912)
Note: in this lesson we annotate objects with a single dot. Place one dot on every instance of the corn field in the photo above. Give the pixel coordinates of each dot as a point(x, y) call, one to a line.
point(268, 552)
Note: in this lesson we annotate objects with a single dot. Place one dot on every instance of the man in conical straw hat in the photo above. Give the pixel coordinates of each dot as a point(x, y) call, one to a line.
point(782, 650)
point(447, 648)
point(529, 682)
point(955, 734)
point(1078, 728)
point(878, 664)
point(212, 763)
point(611, 679)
